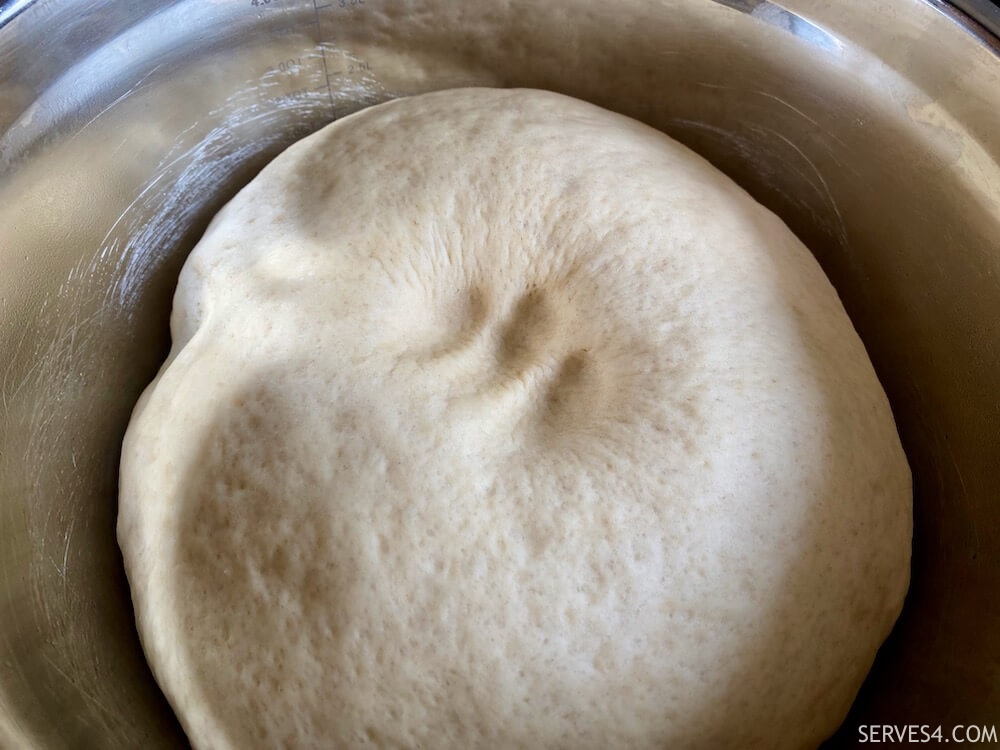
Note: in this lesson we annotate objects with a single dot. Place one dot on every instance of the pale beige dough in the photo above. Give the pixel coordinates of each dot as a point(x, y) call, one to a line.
point(497, 420)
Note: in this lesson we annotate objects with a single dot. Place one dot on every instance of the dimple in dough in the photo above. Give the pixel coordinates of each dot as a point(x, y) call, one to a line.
point(497, 420)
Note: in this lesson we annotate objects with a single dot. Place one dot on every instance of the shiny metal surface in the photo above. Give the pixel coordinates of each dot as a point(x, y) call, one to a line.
point(871, 126)
point(986, 13)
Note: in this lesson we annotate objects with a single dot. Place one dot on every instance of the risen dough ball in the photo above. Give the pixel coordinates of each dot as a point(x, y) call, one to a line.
point(497, 420)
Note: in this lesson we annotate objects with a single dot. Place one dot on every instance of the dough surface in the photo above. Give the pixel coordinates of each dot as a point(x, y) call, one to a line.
point(497, 420)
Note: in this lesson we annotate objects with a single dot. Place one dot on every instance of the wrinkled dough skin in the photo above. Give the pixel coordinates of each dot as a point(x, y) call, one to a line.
point(497, 420)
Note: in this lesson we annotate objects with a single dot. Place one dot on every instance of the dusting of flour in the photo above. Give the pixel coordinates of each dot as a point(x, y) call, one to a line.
point(497, 420)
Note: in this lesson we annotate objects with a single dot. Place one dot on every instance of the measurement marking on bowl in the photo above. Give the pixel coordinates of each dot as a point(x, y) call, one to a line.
point(351, 65)
point(341, 4)
point(291, 66)
point(326, 67)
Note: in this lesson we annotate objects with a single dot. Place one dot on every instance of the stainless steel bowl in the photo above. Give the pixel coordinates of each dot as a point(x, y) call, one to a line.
point(871, 126)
